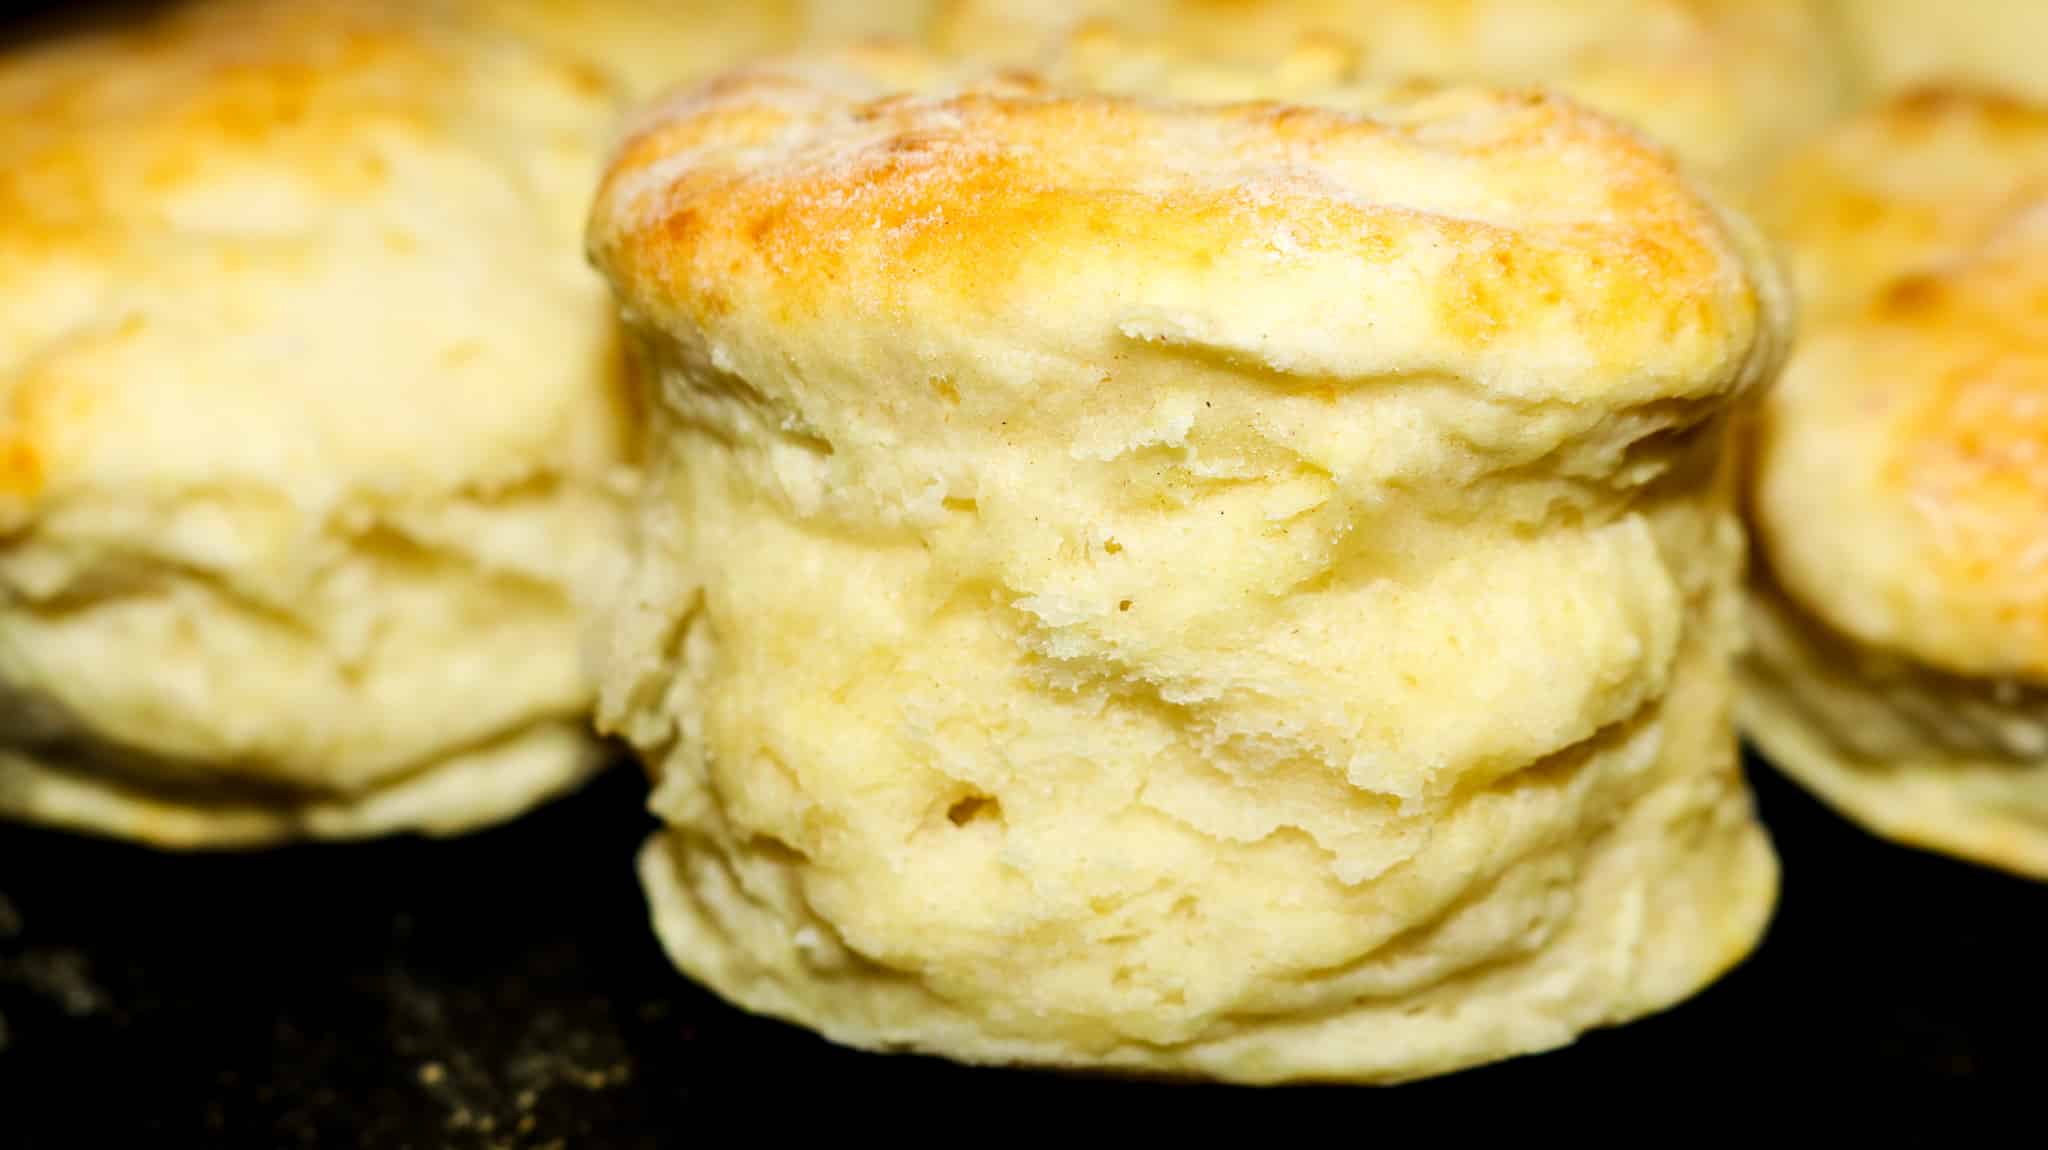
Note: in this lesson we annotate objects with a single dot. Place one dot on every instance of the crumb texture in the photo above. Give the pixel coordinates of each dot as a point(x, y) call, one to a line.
point(311, 424)
point(1898, 498)
point(1230, 591)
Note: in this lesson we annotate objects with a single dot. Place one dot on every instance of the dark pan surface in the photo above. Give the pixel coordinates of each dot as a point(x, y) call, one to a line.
point(504, 990)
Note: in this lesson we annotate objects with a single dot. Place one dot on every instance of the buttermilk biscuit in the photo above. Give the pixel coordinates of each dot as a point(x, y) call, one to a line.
point(1238, 591)
point(310, 425)
point(1895, 43)
point(1900, 490)
point(1728, 83)
point(651, 45)
point(1907, 184)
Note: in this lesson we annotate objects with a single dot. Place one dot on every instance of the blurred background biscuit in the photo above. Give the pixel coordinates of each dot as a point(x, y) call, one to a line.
point(1902, 43)
point(1917, 179)
point(651, 45)
point(1901, 594)
point(311, 423)
point(1729, 84)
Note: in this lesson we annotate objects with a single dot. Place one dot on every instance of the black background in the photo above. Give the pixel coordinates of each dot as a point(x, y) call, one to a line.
point(506, 990)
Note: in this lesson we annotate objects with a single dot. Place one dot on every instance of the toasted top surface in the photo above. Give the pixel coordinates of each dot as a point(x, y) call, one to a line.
point(819, 211)
point(321, 248)
point(1903, 495)
point(1729, 83)
point(1899, 494)
point(1910, 182)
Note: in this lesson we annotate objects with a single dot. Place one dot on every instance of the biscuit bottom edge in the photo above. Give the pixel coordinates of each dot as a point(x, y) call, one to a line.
point(1907, 802)
point(1797, 704)
point(1655, 930)
point(471, 789)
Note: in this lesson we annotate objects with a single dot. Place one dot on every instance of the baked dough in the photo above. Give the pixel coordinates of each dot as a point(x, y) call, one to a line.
point(652, 45)
point(312, 429)
point(1901, 612)
point(1904, 43)
point(1232, 591)
point(1907, 184)
point(1730, 84)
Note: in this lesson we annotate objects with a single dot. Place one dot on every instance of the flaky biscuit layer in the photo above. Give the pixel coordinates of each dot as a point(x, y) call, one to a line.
point(311, 425)
point(1242, 591)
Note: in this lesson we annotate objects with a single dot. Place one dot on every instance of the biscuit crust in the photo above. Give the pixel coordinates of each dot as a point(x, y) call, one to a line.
point(1233, 590)
point(1925, 175)
point(1898, 494)
point(312, 427)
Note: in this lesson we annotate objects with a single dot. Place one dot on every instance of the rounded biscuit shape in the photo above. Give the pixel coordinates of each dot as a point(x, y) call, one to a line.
point(1241, 591)
point(311, 423)
point(1900, 488)
point(1900, 604)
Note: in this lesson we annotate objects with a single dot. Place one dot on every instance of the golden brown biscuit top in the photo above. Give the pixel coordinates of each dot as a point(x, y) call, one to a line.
point(317, 247)
point(1913, 180)
point(111, 124)
point(1905, 490)
point(1508, 239)
point(1970, 451)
